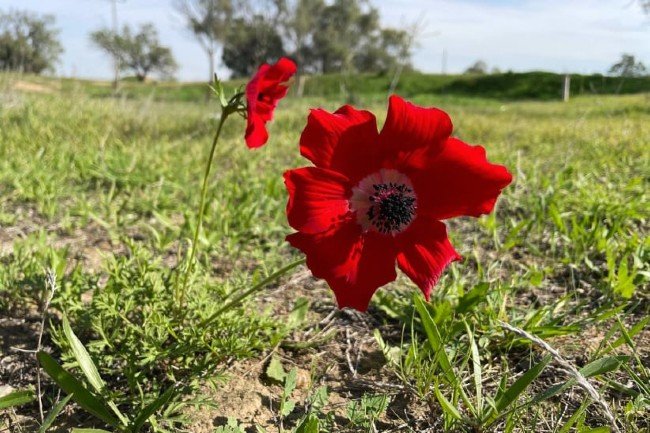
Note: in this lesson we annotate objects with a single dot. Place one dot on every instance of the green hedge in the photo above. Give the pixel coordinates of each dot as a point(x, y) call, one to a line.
point(527, 85)
point(510, 85)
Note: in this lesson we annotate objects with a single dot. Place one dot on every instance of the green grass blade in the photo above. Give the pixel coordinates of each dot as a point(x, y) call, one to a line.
point(476, 368)
point(603, 365)
point(16, 398)
point(433, 336)
point(550, 392)
point(505, 399)
point(594, 368)
point(446, 405)
point(628, 335)
point(435, 341)
point(53, 413)
point(576, 415)
point(71, 385)
point(144, 415)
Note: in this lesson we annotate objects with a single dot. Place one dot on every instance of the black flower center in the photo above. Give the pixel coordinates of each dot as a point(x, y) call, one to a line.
point(393, 207)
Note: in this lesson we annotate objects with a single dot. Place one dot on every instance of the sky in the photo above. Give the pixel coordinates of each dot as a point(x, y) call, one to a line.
point(580, 36)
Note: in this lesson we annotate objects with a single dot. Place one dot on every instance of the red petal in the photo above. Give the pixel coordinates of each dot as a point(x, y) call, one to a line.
point(460, 181)
point(354, 265)
point(281, 71)
point(263, 92)
point(424, 251)
point(345, 140)
point(318, 199)
point(411, 130)
point(253, 89)
point(256, 133)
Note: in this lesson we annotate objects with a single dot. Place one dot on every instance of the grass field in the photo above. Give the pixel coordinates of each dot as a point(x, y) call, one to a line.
point(98, 201)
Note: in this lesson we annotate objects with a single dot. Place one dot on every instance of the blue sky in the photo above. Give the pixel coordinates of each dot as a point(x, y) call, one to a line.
point(558, 35)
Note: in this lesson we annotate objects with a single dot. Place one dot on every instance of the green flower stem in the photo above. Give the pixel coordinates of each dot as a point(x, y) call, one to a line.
point(226, 111)
point(256, 288)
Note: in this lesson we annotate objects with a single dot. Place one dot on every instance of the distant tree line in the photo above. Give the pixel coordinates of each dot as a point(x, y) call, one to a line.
point(323, 37)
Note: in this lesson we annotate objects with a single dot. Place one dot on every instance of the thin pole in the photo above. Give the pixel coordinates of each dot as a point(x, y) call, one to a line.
point(444, 61)
point(566, 90)
point(116, 61)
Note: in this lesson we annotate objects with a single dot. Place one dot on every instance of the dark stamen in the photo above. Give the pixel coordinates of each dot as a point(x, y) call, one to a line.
point(393, 208)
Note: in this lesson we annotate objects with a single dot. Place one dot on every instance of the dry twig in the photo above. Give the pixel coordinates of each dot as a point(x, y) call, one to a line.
point(570, 369)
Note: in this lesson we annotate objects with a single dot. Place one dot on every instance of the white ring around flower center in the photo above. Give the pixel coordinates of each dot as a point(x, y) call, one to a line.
point(384, 201)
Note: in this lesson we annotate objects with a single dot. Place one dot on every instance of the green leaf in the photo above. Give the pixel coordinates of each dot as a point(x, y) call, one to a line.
point(275, 371)
point(624, 280)
point(309, 425)
point(53, 413)
point(288, 407)
point(555, 215)
point(446, 405)
point(375, 405)
point(468, 301)
point(71, 385)
point(232, 427)
point(594, 368)
point(507, 397)
point(319, 398)
point(83, 357)
point(299, 312)
point(217, 88)
point(144, 415)
point(88, 366)
point(392, 354)
point(551, 391)
point(16, 398)
point(603, 365)
point(290, 382)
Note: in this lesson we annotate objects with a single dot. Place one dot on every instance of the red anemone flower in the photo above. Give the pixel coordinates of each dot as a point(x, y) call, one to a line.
point(374, 199)
point(263, 92)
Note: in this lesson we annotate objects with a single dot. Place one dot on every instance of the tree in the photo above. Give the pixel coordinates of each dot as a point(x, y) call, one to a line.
point(28, 42)
point(139, 52)
point(209, 21)
point(249, 44)
point(299, 29)
point(479, 68)
point(347, 36)
point(382, 52)
point(321, 35)
point(628, 67)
